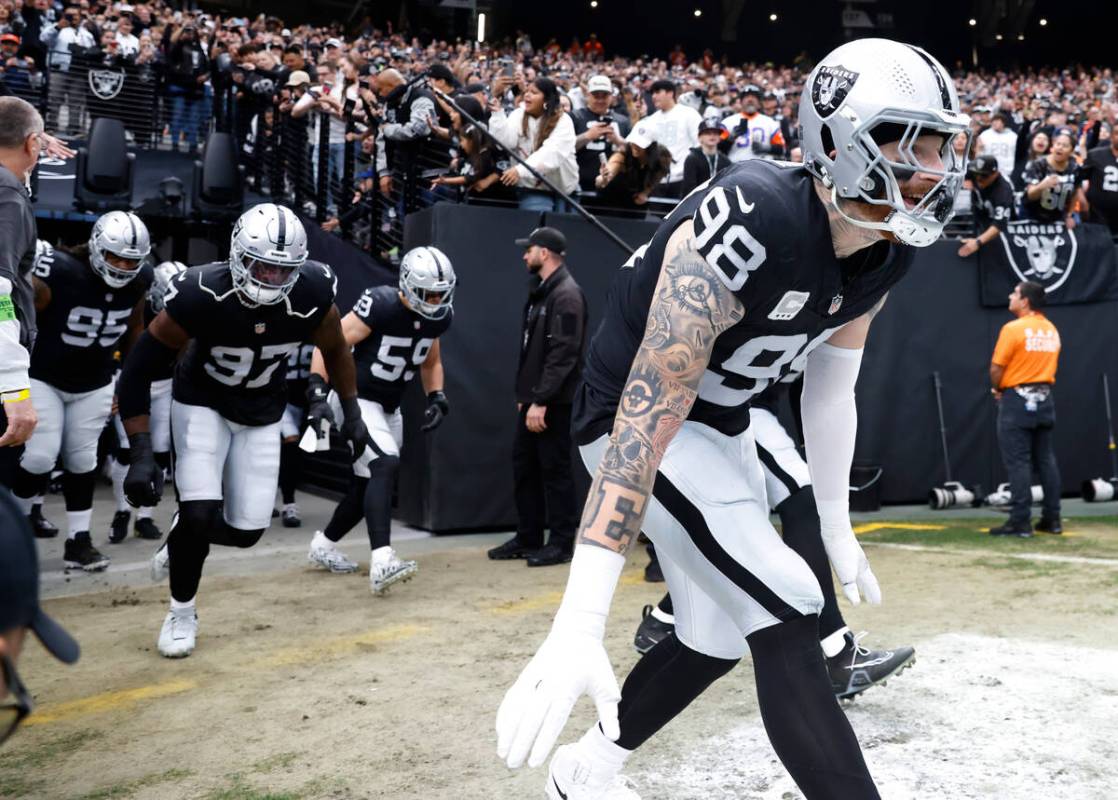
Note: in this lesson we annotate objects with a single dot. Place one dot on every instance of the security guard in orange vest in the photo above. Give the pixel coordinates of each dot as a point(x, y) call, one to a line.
point(1022, 373)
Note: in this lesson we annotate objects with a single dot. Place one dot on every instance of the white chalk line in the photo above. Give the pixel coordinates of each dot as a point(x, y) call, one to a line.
point(1093, 561)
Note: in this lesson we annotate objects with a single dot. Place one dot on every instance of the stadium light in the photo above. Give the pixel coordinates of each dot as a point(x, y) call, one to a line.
point(593, 3)
point(999, 37)
point(1043, 22)
point(481, 27)
point(698, 12)
point(772, 17)
point(972, 22)
point(1020, 37)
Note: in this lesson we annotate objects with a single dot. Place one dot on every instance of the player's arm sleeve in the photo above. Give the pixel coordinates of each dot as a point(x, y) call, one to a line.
point(830, 418)
point(564, 345)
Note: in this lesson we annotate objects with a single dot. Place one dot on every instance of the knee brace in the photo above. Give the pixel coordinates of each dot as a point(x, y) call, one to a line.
point(203, 519)
point(29, 484)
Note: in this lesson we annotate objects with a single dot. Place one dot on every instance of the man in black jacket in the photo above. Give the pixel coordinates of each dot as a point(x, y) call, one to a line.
point(551, 350)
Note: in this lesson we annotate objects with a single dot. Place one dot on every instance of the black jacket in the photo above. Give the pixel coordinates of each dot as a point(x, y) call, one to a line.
point(696, 168)
point(552, 342)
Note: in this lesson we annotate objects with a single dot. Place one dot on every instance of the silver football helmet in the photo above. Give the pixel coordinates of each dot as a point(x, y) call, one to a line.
point(867, 94)
point(267, 248)
point(163, 274)
point(427, 280)
point(125, 236)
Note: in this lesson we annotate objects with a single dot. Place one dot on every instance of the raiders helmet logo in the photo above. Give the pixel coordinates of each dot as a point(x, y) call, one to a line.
point(106, 83)
point(830, 88)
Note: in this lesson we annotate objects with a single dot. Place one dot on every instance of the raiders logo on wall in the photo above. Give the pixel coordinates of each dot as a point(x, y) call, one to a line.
point(106, 83)
point(1041, 253)
point(830, 87)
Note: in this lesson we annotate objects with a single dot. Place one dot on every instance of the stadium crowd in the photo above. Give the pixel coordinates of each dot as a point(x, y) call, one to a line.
point(619, 130)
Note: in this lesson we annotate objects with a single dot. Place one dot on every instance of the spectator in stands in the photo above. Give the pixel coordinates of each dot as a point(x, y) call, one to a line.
point(635, 173)
point(404, 125)
point(127, 42)
point(540, 133)
point(1100, 170)
point(991, 202)
point(553, 341)
point(186, 74)
point(1000, 141)
point(1022, 373)
point(72, 31)
point(293, 58)
point(476, 170)
point(706, 160)
point(598, 132)
point(674, 127)
point(19, 75)
point(1039, 142)
point(752, 134)
point(1053, 183)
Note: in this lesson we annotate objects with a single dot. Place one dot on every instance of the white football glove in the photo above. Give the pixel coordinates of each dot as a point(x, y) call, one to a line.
point(570, 663)
point(849, 562)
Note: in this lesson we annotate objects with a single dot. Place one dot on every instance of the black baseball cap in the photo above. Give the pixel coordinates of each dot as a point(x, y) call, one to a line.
point(442, 72)
point(983, 166)
point(19, 584)
point(550, 238)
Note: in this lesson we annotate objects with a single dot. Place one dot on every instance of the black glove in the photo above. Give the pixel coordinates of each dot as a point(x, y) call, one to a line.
point(759, 147)
point(437, 408)
point(143, 484)
point(353, 428)
point(317, 407)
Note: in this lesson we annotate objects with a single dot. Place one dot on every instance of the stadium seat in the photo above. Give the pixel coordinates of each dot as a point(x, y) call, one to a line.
point(218, 191)
point(103, 181)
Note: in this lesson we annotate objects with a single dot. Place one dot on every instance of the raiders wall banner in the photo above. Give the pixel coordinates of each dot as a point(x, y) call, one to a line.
point(1074, 266)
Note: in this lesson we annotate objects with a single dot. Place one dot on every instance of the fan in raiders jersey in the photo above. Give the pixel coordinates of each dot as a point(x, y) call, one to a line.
point(393, 331)
point(769, 268)
point(852, 667)
point(992, 201)
point(87, 306)
point(160, 424)
point(1054, 182)
point(238, 321)
point(291, 457)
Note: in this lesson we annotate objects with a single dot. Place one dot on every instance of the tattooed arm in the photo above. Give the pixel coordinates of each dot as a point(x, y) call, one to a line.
point(689, 309)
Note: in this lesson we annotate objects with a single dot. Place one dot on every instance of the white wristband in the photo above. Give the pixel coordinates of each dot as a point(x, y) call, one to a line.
point(590, 586)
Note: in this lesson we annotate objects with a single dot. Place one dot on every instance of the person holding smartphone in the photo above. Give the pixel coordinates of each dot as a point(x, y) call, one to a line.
point(598, 133)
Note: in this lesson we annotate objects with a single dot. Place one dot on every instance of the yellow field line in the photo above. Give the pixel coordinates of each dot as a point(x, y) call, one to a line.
point(548, 600)
point(870, 527)
point(107, 701)
point(341, 645)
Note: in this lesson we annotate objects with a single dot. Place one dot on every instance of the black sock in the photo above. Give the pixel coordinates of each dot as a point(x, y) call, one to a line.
point(349, 511)
point(78, 489)
point(665, 605)
point(804, 722)
point(799, 522)
point(291, 469)
point(378, 500)
point(29, 484)
point(662, 684)
point(188, 545)
point(163, 460)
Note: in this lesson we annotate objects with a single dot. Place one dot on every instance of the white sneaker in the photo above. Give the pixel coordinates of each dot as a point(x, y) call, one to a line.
point(326, 554)
point(176, 638)
point(571, 775)
point(161, 564)
point(391, 571)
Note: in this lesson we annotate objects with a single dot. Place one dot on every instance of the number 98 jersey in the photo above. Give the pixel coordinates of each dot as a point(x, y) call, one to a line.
point(236, 362)
point(764, 232)
point(82, 326)
point(400, 341)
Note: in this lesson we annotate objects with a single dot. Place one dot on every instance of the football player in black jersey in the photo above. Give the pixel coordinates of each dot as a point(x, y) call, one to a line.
point(87, 307)
point(770, 268)
point(145, 528)
point(852, 667)
point(393, 331)
point(992, 201)
point(238, 322)
point(1054, 182)
point(1100, 170)
point(291, 457)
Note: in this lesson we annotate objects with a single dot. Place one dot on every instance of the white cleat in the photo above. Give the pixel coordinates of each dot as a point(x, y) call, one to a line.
point(161, 564)
point(176, 637)
point(391, 571)
point(326, 554)
point(573, 776)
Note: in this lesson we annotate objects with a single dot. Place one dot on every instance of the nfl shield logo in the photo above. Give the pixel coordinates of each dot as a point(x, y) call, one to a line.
point(836, 304)
point(259, 327)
